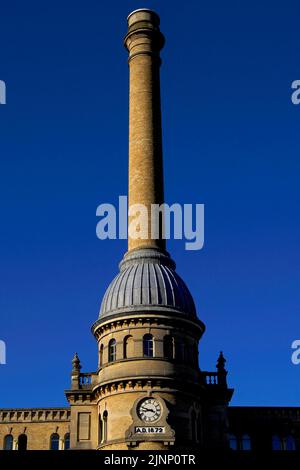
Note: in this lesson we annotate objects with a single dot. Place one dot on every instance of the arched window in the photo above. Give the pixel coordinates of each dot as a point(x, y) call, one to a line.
point(101, 355)
point(105, 416)
point(194, 426)
point(128, 347)
point(290, 443)
point(100, 431)
point(283, 443)
point(195, 354)
point(67, 441)
point(148, 346)
point(245, 442)
point(233, 443)
point(188, 353)
point(8, 442)
point(22, 442)
point(181, 353)
point(169, 347)
point(199, 428)
point(112, 350)
point(276, 443)
point(54, 441)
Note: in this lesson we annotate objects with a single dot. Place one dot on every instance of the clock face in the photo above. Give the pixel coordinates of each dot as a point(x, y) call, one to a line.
point(149, 410)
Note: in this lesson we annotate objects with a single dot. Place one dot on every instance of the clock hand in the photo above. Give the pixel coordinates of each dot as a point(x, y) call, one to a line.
point(147, 409)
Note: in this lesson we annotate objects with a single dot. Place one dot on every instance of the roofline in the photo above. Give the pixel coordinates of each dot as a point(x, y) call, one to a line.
point(36, 409)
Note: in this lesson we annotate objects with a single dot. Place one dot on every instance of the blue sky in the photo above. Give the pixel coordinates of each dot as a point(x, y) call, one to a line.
point(231, 141)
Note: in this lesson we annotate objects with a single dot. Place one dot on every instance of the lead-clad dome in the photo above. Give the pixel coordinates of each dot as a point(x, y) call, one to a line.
point(147, 282)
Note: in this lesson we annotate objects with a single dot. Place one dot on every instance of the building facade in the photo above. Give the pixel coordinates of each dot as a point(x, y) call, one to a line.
point(148, 392)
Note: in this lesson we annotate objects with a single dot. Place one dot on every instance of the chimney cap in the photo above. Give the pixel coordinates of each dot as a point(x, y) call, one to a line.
point(146, 10)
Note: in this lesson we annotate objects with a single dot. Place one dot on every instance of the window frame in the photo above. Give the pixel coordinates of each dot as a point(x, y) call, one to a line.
point(56, 435)
point(148, 345)
point(112, 350)
point(11, 440)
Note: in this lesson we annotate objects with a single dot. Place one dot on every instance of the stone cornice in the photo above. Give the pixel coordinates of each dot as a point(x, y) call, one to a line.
point(142, 319)
point(143, 384)
point(23, 415)
point(129, 385)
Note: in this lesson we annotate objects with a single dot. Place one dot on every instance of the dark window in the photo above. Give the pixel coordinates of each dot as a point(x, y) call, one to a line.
point(101, 355)
point(246, 442)
point(195, 354)
point(100, 435)
point(290, 443)
point(283, 443)
point(169, 347)
point(239, 442)
point(22, 442)
point(276, 443)
point(233, 443)
point(54, 442)
point(105, 416)
point(148, 346)
point(67, 441)
point(112, 350)
point(8, 442)
point(194, 426)
point(181, 351)
point(128, 347)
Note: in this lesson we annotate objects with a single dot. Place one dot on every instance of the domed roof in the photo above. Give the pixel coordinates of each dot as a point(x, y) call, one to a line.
point(147, 281)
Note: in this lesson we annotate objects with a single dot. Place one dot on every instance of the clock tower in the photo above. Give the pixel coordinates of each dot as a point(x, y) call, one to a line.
point(147, 331)
point(148, 391)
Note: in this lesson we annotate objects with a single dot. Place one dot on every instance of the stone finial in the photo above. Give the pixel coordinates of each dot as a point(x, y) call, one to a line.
point(221, 362)
point(222, 372)
point(76, 363)
point(75, 374)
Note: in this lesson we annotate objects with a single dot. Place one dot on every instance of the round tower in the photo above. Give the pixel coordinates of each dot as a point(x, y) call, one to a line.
point(148, 384)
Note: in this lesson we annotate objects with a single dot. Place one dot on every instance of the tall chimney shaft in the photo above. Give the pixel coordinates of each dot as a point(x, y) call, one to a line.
point(144, 42)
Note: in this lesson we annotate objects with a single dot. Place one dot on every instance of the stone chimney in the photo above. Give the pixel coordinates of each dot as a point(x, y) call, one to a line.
point(144, 42)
